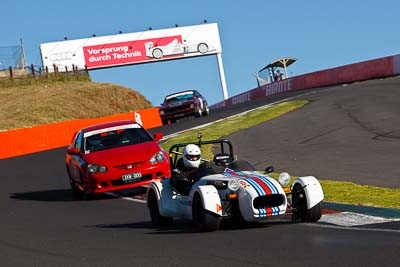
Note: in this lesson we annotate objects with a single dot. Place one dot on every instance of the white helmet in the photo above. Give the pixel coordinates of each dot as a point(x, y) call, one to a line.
point(191, 156)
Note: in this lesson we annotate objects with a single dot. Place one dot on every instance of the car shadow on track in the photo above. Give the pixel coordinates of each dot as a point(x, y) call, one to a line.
point(177, 227)
point(57, 195)
point(60, 195)
point(184, 227)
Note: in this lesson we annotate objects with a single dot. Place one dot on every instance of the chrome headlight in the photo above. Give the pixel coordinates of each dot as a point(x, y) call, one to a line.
point(234, 184)
point(94, 168)
point(157, 157)
point(191, 105)
point(162, 112)
point(284, 179)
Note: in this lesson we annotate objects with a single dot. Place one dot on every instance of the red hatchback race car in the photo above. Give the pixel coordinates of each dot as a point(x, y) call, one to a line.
point(114, 156)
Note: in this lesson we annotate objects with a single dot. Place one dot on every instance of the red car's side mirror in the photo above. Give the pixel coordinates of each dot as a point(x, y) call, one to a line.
point(157, 136)
point(72, 151)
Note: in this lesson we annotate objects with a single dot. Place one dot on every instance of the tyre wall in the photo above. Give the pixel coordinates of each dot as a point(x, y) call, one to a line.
point(48, 136)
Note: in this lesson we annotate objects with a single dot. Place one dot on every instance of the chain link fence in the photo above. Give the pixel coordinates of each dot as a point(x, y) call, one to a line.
point(13, 67)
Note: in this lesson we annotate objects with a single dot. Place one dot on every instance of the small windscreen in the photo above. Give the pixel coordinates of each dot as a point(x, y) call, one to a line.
point(115, 138)
point(179, 97)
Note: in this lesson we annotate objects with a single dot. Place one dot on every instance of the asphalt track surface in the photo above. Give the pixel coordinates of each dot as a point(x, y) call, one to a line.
point(42, 224)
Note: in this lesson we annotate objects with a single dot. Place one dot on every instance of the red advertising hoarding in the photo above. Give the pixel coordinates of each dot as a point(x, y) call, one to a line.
point(122, 53)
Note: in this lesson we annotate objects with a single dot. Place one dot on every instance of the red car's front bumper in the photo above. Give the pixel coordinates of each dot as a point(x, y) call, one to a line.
point(106, 182)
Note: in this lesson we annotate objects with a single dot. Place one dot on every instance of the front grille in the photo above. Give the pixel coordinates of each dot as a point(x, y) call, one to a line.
point(129, 166)
point(177, 109)
point(268, 201)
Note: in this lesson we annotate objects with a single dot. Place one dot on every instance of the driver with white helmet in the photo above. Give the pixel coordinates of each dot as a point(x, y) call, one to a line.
point(191, 156)
point(184, 174)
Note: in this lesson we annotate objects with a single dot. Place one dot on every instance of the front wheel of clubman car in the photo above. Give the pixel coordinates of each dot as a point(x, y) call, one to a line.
point(203, 221)
point(299, 202)
point(156, 218)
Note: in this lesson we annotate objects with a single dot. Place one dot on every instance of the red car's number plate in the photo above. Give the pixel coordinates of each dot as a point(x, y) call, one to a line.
point(131, 177)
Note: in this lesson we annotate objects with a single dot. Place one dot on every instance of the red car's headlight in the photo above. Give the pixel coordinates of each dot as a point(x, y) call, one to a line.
point(157, 157)
point(94, 168)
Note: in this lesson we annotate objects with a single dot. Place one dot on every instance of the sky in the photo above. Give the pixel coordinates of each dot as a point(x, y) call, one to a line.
point(319, 34)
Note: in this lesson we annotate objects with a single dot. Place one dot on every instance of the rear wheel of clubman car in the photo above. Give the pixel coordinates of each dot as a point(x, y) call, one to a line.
point(202, 220)
point(202, 48)
point(156, 218)
point(299, 202)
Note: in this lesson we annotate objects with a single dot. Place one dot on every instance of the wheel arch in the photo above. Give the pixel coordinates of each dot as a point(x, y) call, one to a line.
point(210, 198)
point(312, 188)
point(156, 187)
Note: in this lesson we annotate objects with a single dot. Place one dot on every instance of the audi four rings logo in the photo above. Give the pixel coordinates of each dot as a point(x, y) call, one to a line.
point(61, 56)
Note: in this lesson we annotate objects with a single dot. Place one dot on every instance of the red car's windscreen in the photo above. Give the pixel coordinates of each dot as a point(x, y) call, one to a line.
point(115, 138)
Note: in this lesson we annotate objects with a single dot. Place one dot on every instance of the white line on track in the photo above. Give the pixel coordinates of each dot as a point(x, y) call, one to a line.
point(353, 219)
point(353, 228)
point(126, 198)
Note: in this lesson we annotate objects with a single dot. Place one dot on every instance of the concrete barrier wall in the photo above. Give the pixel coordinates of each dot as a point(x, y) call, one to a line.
point(371, 69)
point(396, 65)
point(43, 137)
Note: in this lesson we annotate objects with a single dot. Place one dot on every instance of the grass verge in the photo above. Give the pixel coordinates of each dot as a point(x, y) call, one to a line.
point(335, 191)
point(233, 124)
point(26, 103)
point(351, 193)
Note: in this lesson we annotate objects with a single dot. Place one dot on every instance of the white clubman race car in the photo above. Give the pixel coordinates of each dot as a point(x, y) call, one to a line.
point(226, 188)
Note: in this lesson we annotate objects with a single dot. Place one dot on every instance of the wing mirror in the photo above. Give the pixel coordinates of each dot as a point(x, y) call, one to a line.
point(158, 136)
point(72, 151)
point(269, 169)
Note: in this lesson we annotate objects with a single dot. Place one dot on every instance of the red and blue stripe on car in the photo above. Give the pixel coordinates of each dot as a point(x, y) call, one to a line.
point(261, 185)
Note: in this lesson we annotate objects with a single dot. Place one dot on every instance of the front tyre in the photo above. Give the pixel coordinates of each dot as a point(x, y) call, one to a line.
point(203, 221)
point(72, 184)
point(156, 218)
point(198, 113)
point(206, 111)
point(299, 202)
